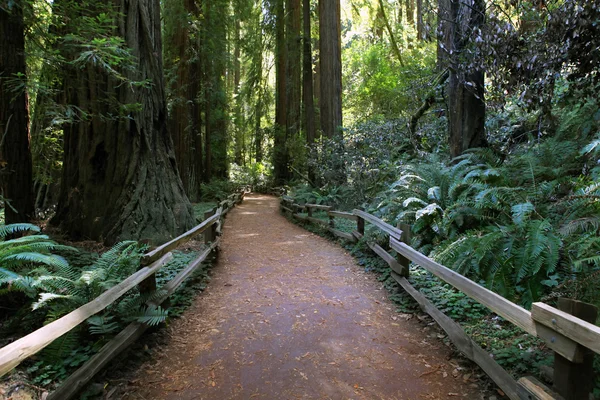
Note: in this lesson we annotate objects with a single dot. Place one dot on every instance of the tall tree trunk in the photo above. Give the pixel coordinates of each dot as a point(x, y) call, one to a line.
point(280, 152)
point(195, 111)
point(331, 67)
point(120, 179)
point(410, 13)
point(238, 125)
point(307, 82)
point(15, 154)
point(293, 67)
point(177, 61)
point(420, 22)
point(215, 115)
point(445, 31)
point(466, 106)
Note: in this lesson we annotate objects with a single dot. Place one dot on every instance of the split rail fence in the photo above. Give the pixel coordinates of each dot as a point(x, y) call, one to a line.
point(145, 279)
point(568, 330)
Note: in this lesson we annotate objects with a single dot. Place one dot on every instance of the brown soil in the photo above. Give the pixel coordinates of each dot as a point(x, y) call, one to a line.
point(290, 315)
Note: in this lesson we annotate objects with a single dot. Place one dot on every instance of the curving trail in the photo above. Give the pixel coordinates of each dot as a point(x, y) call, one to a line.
point(289, 315)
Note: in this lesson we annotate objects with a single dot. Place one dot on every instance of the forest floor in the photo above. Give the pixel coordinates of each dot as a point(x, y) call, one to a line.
point(290, 315)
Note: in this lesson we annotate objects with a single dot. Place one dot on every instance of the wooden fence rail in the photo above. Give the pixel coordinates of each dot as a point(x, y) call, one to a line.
point(14, 353)
point(570, 337)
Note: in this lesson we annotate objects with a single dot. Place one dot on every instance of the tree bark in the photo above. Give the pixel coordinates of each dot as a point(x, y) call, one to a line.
point(307, 82)
point(466, 105)
point(280, 152)
point(177, 59)
point(120, 179)
point(420, 22)
point(215, 121)
point(238, 125)
point(331, 67)
point(293, 68)
point(15, 154)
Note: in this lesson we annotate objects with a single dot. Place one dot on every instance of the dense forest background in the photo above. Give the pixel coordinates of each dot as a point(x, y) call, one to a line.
point(476, 122)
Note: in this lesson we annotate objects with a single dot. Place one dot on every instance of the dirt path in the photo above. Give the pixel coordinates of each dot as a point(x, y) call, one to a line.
point(289, 315)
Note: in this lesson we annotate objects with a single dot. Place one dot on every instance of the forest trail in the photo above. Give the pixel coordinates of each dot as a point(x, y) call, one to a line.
point(290, 315)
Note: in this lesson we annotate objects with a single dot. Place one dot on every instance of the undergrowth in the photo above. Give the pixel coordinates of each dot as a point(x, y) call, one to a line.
point(516, 351)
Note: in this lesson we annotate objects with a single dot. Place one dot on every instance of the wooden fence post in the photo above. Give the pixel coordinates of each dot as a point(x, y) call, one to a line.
point(360, 225)
point(309, 211)
point(405, 238)
point(575, 381)
point(331, 221)
point(210, 233)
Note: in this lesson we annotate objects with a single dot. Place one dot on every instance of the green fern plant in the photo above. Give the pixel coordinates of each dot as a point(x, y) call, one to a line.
point(64, 292)
point(21, 258)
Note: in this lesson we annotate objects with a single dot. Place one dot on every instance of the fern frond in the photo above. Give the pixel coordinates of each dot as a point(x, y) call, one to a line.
point(35, 258)
point(153, 316)
point(102, 324)
point(10, 229)
point(45, 298)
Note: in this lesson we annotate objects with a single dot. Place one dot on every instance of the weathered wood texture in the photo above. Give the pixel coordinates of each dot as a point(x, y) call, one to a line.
point(74, 383)
point(463, 342)
point(173, 244)
point(575, 380)
point(343, 235)
point(581, 331)
point(529, 388)
point(341, 214)
point(498, 304)
point(12, 354)
point(388, 258)
point(384, 226)
point(318, 207)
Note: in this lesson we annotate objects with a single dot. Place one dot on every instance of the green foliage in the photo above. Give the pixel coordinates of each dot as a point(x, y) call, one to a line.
point(217, 189)
point(257, 174)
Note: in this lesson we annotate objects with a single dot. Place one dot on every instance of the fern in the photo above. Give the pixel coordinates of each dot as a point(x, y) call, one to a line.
point(152, 316)
point(12, 229)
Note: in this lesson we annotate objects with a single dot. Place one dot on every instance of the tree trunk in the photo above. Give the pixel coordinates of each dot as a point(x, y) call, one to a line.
point(120, 179)
point(331, 67)
point(215, 120)
point(410, 13)
point(15, 154)
point(280, 153)
point(420, 22)
point(177, 60)
point(466, 106)
point(307, 82)
point(444, 34)
point(195, 111)
point(293, 68)
point(239, 132)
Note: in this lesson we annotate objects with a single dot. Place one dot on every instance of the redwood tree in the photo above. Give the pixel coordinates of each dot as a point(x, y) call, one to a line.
point(280, 154)
point(120, 179)
point(15, 154)
point(330, 67)
point(466, 106)
point(182, 73)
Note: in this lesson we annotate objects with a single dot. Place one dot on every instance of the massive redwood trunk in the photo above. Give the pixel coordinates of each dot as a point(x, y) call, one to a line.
point(120, 179)
point(330, 67)
point(15, 155)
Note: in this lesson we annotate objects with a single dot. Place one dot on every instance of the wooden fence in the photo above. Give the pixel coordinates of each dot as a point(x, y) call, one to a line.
point(145, 278)
point(569, 330)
